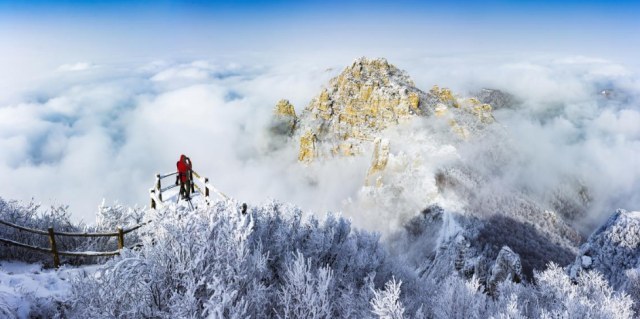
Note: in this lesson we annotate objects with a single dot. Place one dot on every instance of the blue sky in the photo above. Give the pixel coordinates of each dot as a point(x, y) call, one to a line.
point(39, 35)
point(87, 86)
point(587, 27)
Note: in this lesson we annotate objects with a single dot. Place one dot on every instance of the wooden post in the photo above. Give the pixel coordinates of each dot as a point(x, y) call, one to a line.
point(54, 249)
point(120, 238)
point(206, 188)
point(153, 199)
point(159, 186)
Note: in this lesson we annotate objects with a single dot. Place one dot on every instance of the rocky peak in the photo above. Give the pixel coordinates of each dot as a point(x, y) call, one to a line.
point(285, 119)
point(379, 162)
point(613, 249)
point(506, 267)
point(284, 108)
point(369, 96)
point(496, 98)
point(282, 126)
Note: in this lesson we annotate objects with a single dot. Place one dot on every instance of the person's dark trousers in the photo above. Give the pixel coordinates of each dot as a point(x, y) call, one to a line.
point(185, 189)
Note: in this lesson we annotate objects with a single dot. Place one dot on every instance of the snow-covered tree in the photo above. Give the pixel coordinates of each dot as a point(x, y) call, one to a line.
point(386, 303)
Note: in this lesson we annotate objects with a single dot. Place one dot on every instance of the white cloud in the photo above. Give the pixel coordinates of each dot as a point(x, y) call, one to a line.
point(79, 66)
point(105, 133)
point(188, 73)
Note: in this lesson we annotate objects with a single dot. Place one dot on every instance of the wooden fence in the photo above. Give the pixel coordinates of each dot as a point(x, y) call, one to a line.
point(156, 200)
point(205, 188)
point(54, 249)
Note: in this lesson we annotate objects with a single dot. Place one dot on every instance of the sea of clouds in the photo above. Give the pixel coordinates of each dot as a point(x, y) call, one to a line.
point(87, 131)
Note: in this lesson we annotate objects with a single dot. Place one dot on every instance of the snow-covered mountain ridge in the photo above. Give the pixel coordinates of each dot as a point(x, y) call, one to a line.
point(613, 250)
point(271, 262)
point(487, 230)
point(368, 97)
point(463, 235)
point(419, 143)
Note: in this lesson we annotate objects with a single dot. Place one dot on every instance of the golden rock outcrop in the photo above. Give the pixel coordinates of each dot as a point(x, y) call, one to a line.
point(284, 108)
point(285, 120)
point(368, 97)
point(379, 161)
point(307, 147)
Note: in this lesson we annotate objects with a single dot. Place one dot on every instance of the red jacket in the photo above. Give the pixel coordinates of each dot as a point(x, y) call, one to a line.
point(184, 166)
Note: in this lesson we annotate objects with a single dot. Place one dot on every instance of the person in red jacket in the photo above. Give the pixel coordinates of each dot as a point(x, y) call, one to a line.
point(184, 176)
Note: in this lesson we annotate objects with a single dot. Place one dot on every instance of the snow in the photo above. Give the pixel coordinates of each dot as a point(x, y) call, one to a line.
point(613, 249)
point(507, 266)
point(272, 261)
point(22, 284)
point(450, 228)
point(635, 215)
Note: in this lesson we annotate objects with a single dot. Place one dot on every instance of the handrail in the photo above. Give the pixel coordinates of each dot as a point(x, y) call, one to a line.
point(15, 243)
point(167, 174)
point(136, 227)
point(65, 253)
point(215, 190)
point(86, 234)
point(90, 253)
point(42, 232)
point(50, 232)
point(168, 188)
point(35, 231)
point(155, 193)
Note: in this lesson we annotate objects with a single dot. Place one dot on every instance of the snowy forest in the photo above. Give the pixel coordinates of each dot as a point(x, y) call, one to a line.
point(272, 262)
point(335, 159)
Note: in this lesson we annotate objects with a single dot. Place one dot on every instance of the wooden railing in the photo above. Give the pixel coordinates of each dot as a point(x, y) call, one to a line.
point(205, 188)
point(53, 249)
point(156, 199)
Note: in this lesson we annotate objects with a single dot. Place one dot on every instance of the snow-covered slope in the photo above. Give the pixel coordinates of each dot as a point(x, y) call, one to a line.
point(613, 249)
point(271, 262)
point(437, 148)
point(28, 291)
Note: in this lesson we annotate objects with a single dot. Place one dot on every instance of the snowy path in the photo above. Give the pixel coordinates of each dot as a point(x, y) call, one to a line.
point(24, 286)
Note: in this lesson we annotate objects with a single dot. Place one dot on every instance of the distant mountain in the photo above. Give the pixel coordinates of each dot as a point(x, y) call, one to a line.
point(483, 230)
point(370, 96)
point(497, 99)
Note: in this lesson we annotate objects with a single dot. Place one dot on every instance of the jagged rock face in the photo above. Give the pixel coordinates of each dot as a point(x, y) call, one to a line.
point(506, 267)
point(489, 221)
point(282, 126)
point(378, 161)
point(367, 97)
point(464, 115)
point(457, 250)
point(372, 95)
point(613, 249)
point(496, 98)
point(493, 250)
point(307, 147)
point(284, 120)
